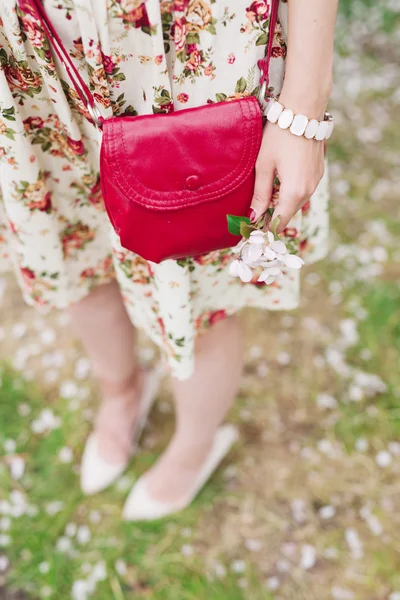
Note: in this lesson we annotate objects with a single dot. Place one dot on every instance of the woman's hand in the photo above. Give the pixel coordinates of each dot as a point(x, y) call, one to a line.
point(299, 164)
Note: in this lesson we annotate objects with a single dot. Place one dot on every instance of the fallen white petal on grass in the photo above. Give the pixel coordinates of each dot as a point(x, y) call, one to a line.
point(68, 389)
point(24, 409)
point(17, 467)
point(253, 545)
point(83, 534)
point(187, 550)
point(372, 521)
point(298, 506)
point(10, 446)
point(4, 563)
point(63, 544)
point(354, 542)
point(219, 569)
point(71, 529)
point(383, 459)
point(394, 448)
point(308, 557)
point(18, 330)
point(48, 336)
point(5, 523)
point(120, 567)
point(5, 540)
point(326, 401)
point(46, 591)
point(327, 512)
point(65, 455)
point(273, 583)
point(82, 368)
point(52, 508)
point(361, 445)
point(339, 593)
point(44, 567)
point(238, 566)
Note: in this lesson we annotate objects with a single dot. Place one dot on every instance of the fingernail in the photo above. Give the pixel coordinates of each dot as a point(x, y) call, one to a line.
point(252, 215)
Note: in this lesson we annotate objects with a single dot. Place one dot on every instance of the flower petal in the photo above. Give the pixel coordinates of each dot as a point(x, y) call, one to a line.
point(269, 254)
point(278, 246)
point(238, 248)
point(233, 268)
point(292, 261)
point(273, 271)
point(257, 237)
point(255, 252)
point(270, 236)
point(244, 272)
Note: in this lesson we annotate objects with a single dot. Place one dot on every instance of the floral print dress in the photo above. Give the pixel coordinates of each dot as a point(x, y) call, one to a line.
point(138, 57)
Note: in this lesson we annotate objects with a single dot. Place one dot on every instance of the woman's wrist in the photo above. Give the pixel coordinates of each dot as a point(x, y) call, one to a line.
point(302, 99)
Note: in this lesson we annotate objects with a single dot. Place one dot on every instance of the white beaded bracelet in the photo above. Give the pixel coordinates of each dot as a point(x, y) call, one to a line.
point(299, 124)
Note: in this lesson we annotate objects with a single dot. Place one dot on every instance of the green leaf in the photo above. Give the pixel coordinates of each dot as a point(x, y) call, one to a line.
point(221, 97)
point(193, 38)
point(165, 94)
point(262, 40)
point(211, 29)
point(119, 77)
point(130, 111)
point(274, 225)
point(234, 223)
point(241, 86)
point(10, 134)
point(245, 229)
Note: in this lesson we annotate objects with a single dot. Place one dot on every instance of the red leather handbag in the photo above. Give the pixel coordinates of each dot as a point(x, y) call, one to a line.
point(169, 180)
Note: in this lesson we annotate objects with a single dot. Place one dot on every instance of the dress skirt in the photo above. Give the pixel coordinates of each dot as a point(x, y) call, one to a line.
point(138, 57)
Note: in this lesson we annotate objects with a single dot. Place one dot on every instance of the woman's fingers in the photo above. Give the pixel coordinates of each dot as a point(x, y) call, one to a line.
point(262, 192)
point(290, 201)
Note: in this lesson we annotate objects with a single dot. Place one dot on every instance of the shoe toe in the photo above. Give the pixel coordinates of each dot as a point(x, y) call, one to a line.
point(97, 473)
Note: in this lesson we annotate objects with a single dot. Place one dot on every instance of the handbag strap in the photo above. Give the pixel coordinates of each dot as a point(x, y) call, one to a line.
point(82, 89)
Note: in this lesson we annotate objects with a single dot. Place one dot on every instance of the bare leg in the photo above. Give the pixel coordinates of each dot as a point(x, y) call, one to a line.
point(202, 403)
point(108, 336)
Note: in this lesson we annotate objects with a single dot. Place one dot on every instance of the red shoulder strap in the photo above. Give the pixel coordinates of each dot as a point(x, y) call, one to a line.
point(80, 86)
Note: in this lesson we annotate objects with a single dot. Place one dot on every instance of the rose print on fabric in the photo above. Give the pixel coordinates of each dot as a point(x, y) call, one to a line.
point(133, 13)
point(75, 237)
point(35, 196)
point(257, 22)
point(163, 101)
point(20, 77)
point(48, 133)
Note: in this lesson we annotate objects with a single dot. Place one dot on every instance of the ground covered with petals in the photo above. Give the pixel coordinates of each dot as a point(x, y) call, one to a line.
point(307, 506)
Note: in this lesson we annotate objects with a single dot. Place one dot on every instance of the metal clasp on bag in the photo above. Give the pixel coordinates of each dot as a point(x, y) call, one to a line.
point(262, 92)
point(95, 116)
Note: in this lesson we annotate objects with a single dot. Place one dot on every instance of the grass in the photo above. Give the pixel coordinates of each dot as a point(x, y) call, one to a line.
point(244, 533)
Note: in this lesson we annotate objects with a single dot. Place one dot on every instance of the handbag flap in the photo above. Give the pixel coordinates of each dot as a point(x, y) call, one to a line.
point(183, 158)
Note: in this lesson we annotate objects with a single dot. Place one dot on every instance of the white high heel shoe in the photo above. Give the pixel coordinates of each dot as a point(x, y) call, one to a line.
point(96, 472)
point(140, 506)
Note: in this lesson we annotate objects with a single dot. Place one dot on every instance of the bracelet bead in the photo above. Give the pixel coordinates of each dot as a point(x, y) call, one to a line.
point(300, 125)
point(275, 112)
point(311, 129)
point(286, 118)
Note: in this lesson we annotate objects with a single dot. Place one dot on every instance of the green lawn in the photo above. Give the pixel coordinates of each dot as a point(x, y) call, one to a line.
point(307, 506)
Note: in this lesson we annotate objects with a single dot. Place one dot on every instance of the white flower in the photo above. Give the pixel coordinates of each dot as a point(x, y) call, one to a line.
point(239, 269)
point(292, 261)
point(262, 250)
